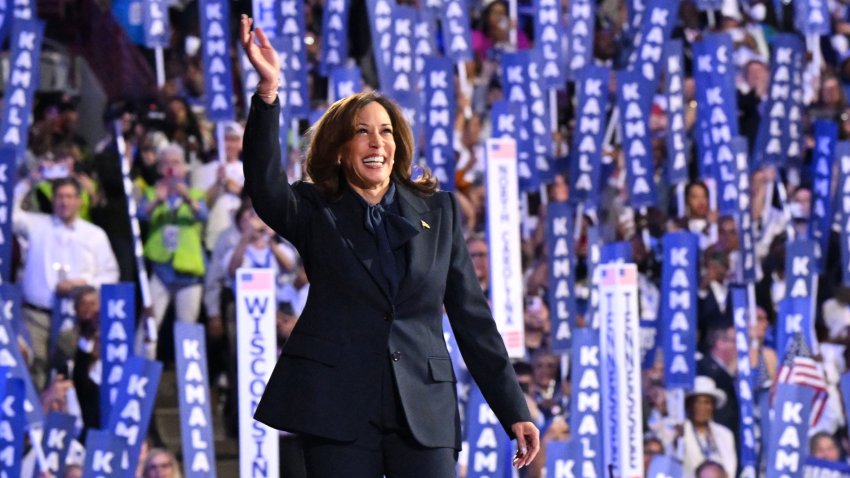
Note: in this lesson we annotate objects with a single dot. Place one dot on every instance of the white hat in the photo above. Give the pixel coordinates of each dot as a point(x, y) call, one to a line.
point(705, 386)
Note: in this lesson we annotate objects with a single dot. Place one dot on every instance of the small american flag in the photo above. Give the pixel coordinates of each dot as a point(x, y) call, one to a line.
point(800, 368)
point(256, 280)
point(502, 149)
point(618, 275)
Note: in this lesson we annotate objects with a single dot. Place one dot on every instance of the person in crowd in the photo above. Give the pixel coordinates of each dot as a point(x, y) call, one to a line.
point(698, 217)
point(479, 251)
point(493, 35)
point(175, 214)
point(763, 358)
point(224, 186)
point(62, 161)
point(160, 463)
point(703, 438)
point(720, 364)
point(63, 252)
point(538, 326)
point(258, 247)
point(823, 446)
point(375, 395)
point(652, 446)
point(182, 126)
point(711, 469)
point(547, 380)
point(713, 299)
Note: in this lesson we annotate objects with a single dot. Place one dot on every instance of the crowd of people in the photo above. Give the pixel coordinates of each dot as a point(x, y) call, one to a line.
point(73, 228)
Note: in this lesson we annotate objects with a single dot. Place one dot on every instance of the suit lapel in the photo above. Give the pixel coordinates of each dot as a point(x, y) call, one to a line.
point(423, 246)
point(348, 215)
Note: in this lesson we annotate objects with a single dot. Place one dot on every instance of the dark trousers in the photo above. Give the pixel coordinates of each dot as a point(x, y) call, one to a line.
point(391, 454)
point(385, 447)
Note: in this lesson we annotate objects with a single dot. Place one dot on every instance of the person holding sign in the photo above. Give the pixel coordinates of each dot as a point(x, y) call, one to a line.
point(365, 376)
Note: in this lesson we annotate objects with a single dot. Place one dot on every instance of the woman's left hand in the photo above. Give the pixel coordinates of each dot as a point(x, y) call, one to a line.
point(528, 443)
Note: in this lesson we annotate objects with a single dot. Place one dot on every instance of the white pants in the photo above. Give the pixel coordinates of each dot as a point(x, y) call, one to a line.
point(187, 307)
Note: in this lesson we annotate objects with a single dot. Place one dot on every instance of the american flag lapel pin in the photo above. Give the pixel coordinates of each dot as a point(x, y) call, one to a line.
point(425, 225)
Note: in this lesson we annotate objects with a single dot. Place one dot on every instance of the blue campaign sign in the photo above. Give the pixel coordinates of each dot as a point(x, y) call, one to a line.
point(800, 271)
point(786, 448)
point(705, 5)
point(24, 65)
point(59, 430)
point(7, 187)
point(716, 97)
point(586, 150)
point(560, 243)
point(489, 445)
point(439, 120)
point(616, 252)
point(380, 24)
point(128, 14)
point(586, 405)
point(64, 319)
point(538, 119)
point(215, 51)
point(402, 67)
point(648, 55)
point(157, 29)
point(117, 326)
point(131, 412)
point(334, 51)
point(12, 428)
point(580, 32)
point(744, 380)
point(10, 353)
point(773, 140)
point(677, 138)
point(795, 316)
point(265, 16)
point(817, 468)
point(457, 39)
point(823, 154)
point(842, 205)
point(194, 397)
point(679, 285)
point(103, 454)
point(744, 211)
point(812, 17)
point(562, 459)
point(548, 32)
point(634, 99)
point(725, 174)
point(294, 60)
point(345, 81)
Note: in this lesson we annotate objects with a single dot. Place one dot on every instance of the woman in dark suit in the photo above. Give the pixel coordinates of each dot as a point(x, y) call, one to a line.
point(365, 376)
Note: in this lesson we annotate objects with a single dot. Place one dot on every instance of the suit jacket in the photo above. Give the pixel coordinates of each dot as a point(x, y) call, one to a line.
point(328, 378)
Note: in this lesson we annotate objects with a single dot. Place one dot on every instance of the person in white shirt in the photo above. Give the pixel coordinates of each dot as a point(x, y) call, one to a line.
point(702, 438)
point(63, 252)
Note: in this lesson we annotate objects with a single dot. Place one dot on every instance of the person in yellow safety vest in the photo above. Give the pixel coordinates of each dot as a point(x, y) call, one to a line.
point(175, 214)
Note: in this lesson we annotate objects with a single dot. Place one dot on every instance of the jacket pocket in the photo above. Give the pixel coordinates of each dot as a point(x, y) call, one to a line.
point(312, 348)
point(441, 369)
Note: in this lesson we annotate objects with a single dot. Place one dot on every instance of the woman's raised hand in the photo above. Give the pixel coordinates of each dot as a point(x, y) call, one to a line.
point(263, 55)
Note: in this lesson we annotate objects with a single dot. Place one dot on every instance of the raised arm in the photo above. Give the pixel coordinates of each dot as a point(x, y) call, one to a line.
point(274, 200)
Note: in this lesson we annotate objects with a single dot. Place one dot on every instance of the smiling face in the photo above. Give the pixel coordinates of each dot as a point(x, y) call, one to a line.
point(368, 157)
